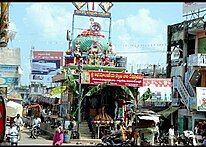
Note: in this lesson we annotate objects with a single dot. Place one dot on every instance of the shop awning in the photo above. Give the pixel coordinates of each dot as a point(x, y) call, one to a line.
point(168, 111)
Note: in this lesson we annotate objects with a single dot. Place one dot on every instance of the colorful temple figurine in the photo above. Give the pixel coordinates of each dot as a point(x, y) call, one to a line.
point(77, 52)
point(109, 50)
point(94, 47)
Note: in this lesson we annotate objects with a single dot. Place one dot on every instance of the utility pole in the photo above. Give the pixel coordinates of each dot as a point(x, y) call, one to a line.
point(154, 71)
point(80, 93)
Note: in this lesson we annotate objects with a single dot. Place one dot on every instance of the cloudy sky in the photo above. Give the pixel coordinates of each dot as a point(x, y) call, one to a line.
point(137, 28)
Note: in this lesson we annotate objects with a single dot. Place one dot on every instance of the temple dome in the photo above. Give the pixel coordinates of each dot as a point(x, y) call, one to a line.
point(87, 37)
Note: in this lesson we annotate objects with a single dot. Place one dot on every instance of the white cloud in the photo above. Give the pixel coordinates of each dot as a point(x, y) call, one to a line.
point(51, 20)
point(137, 30)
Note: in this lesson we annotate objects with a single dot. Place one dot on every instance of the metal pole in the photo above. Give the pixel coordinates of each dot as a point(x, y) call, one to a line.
point(72, 36)
point(79, 99)
point(80, 93)
point(110, 23)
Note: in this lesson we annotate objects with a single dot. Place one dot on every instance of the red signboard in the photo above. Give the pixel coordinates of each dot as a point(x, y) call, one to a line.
point(116, 78)
point(2, 119)
point(39, 55)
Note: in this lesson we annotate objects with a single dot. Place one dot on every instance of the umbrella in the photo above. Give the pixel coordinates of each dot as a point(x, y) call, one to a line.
point(13, 108)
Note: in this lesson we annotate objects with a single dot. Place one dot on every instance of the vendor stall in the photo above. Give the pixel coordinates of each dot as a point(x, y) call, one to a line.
point(144, 123)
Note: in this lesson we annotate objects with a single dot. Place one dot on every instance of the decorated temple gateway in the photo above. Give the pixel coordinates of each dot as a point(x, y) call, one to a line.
point(92, 61)
point(94, 49)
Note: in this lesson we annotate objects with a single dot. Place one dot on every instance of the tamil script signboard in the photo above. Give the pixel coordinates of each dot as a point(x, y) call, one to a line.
point(116, 78)
point(201, 98)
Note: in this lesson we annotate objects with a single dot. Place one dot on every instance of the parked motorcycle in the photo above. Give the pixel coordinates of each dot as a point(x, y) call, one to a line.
point(188, 138)
point(35, 131)
point(164, 139)
point(113, 140)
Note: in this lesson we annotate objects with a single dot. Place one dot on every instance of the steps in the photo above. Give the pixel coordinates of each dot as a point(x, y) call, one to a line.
point(84, 130)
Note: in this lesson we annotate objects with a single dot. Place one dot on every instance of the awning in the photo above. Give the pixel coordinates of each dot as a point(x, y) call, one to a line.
point(168, 111)
point(150, 117)
point(35, 106)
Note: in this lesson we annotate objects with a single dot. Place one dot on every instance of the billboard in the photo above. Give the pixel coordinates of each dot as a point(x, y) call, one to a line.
point(161, 89)
point(201, 98)
point(45, 55)
point(8, 75)
point(43, 70)
point(10, 56)
point(116, 78)
point(191, 6)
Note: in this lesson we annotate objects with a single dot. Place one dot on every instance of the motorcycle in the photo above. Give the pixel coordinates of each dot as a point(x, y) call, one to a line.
point(35, 131)
point(188, 138)
point(164, 139)
point(113, 140)
point(12, 136)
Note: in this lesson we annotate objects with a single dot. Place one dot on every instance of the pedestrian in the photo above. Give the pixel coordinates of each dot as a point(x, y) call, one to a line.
point(171, 135)
point(157, 132)
point(196, 129)
point(204, 141)
point(58, 137)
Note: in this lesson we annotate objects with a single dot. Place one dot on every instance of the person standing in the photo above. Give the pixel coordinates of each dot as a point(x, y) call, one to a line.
point(58, 137)
point(171, 135)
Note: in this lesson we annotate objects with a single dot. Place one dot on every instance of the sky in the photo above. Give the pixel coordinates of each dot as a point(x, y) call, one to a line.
point(136, 29)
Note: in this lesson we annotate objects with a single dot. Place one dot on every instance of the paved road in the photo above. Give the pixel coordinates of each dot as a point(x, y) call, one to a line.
point(41, 140)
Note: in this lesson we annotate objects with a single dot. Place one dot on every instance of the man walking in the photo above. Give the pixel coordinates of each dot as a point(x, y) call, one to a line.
point(171, 135)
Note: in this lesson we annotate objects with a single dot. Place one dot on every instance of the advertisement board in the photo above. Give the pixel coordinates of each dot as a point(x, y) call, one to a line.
point(8, 71)
point(201, 98)
point(8, 75)
point(161, 89)
point(10, 56)
point(44, 70)
point(48, 55)
point(121, 61)
point(5, 81)
point(116, 78)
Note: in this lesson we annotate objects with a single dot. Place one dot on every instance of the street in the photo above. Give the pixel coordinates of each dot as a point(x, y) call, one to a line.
point(42, 140)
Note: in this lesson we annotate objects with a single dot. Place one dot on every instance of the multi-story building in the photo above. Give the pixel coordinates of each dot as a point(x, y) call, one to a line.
point(186, 56)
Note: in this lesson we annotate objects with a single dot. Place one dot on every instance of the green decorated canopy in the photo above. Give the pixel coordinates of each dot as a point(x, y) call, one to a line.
point(87, 38)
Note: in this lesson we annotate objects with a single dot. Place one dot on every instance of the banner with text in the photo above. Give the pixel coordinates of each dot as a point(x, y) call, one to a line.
point(116, 78)
point(48, 55)
point(10, 56)
point(201, 98)
point(44, 70)
point(160, 89)
point(8, 75)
